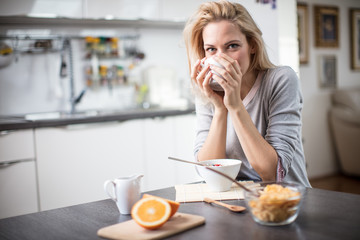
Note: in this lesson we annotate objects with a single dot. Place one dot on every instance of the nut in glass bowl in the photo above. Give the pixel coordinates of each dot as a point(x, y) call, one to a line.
point(275, 203)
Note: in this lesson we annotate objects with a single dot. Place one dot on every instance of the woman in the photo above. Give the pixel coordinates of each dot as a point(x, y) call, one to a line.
point(257, 116)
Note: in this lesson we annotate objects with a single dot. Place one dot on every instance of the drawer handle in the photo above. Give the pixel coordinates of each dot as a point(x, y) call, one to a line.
point(10, 163)
point(6, 132)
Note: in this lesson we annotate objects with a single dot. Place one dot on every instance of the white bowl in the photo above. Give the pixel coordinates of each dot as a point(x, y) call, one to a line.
point(215, 181)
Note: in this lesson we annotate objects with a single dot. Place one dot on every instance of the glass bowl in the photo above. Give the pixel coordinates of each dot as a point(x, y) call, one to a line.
point(274, 203)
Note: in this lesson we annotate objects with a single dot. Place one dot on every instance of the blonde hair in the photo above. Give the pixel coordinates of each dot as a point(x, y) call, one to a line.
point(223, 10)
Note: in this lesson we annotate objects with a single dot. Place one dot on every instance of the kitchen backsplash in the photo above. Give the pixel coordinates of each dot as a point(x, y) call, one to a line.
point(112, 65)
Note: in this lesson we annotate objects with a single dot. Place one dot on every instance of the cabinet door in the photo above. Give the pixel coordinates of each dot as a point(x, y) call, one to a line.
point(18, 191)
point(16, 145)
point(184, 137)
point(164, 137)
point(123, 9)
point(75, 161)
point(159, 144)
point(180, 10)
point(72, 8)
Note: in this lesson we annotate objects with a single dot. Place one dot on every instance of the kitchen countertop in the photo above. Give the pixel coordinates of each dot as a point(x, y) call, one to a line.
point(54, 119)
point(323, 215)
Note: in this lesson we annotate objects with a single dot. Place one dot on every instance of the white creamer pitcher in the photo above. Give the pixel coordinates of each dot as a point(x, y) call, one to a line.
point(125, 191)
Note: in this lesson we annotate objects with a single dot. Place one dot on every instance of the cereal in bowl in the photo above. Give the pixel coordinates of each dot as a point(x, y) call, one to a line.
point(275, 203)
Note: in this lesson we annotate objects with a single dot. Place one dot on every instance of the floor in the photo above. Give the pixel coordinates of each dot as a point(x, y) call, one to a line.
point(339, 182)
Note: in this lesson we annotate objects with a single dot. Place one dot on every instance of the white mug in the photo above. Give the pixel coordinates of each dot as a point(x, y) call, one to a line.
point(213, 84)
point(125, 191)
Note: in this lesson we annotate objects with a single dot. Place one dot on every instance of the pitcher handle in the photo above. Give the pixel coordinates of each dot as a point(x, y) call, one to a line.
point(111, 194)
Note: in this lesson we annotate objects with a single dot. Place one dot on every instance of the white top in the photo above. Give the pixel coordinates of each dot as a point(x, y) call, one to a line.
point(274, 104)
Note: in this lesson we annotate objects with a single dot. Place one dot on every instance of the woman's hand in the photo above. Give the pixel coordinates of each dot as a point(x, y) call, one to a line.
point(201, 76)
point(230, 80)
point(214, 146)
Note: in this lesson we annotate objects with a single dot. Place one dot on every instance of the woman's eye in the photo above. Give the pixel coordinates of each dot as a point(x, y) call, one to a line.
point(234, 45)
point(210, 49)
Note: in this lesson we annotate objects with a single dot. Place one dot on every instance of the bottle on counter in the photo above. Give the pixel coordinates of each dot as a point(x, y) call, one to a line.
point(120, 75)
point(88, 76)
point(114, 47)
point(95, 69)
point(103, 74)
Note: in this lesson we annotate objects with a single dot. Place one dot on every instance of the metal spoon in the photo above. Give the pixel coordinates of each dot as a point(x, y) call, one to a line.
point(185, 161)
point(233, 208)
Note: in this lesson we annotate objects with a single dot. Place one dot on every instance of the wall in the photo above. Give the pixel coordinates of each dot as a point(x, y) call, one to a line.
point(32, 83)
point(318, 145)
point(288, 44)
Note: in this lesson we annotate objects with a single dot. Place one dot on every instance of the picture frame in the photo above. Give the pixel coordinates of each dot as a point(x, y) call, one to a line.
point(303, 31)
point(328, 71)
point(355, 38)
point(326, 26)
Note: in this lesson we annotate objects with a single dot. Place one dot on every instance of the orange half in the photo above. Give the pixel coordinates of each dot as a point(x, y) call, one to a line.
point(173, 204)
point(151, 212)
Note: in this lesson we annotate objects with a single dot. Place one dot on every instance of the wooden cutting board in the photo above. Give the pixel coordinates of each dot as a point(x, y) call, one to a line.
point(131, 230)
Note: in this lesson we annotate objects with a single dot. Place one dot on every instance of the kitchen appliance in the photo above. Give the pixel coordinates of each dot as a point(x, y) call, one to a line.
point(164, 90)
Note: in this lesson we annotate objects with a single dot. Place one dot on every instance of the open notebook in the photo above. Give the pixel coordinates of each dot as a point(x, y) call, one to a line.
point(197, 192)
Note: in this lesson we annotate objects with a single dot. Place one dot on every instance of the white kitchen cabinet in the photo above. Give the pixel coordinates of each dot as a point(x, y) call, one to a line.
point(18, 188)
point(185, 127)
point(159, 144)
point(178, 10)
point(123, 9)
point(69, 8)
point(164, 137)
point(142, 9)
point(16, 145)
point(75, 161)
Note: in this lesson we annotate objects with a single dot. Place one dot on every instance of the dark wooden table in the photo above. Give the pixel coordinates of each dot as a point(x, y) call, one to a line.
point(324, 215)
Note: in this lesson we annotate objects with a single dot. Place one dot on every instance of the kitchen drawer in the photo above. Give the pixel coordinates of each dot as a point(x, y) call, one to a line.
point(16, 145)
point(18, 190)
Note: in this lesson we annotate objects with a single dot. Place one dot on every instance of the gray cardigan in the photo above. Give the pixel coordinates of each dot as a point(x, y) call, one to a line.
point(274, 104)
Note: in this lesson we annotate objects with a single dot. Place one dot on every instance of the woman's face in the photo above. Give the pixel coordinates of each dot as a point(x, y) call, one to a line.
point(225, 37)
